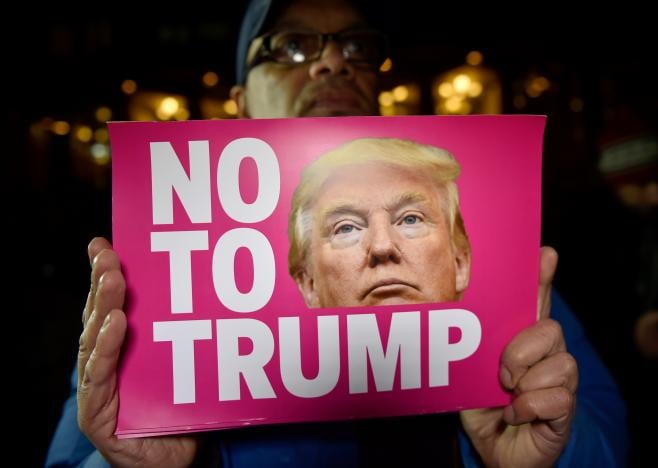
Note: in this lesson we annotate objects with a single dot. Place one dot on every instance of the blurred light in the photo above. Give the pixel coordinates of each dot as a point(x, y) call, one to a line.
point(141, 115)
point(475, 89)
point(542, 83)
point(532, 92)
point(169, 105)
point(213, 108)
point(84, 134)
point(103, 114)
point(230, 107)
point(386, 66)
point(576, 104)
point(210, 79)
point(387, 110)
point(467, 89)
point(386, 99)
point(536, 86)
point(149, 106)
point(404, 99)
point(400, 93)
point(167, 108)
point(182, 114)
point(129, 86)
point(519, 102)
point(60, 127)
point(446, 90)
point(454, 104)
point(100, 153)
point(101, 135)
point(474, 58)
point(461, 83)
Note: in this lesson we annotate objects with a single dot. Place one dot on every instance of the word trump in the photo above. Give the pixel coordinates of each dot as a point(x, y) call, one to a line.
point(364, 345)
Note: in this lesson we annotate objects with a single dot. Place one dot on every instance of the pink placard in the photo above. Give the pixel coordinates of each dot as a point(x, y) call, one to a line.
point(219, 334)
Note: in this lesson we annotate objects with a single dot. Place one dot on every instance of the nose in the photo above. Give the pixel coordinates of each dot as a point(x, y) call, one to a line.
point(331, 62)
point(382, 246)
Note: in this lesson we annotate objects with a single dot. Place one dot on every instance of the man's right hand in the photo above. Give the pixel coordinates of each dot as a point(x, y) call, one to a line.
point(100, 345)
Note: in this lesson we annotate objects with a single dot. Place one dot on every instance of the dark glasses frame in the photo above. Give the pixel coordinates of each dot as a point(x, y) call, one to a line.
point(266, 54)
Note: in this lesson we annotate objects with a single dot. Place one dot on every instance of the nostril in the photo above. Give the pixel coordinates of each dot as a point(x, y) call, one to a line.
point(331, 62)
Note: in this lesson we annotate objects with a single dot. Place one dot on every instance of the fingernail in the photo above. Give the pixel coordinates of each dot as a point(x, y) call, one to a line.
point(508, 414)
point(506, 377)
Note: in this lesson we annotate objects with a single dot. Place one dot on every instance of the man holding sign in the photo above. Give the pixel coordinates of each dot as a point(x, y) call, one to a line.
point(320, 58)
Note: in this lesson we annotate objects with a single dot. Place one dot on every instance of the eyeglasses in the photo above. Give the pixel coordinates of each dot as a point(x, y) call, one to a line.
point(364, 47)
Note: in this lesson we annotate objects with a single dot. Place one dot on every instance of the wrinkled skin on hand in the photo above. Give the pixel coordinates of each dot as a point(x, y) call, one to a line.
point(535, 366)
point(100, 346)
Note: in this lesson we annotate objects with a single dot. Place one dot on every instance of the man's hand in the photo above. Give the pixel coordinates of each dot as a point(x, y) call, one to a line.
point(100, 345)
point(533, 430)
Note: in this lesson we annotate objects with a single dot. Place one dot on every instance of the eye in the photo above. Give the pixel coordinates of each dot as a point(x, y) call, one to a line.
point(363, 46)
point(345, 229)
point(355, 49)
point(411, 219)
point(293, 47)
point(353, 46)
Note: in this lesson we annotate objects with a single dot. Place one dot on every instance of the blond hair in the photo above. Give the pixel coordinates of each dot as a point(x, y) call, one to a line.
point(436, 163)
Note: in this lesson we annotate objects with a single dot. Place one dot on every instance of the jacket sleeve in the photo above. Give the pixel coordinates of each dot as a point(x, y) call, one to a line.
point(69, 447)
point(599, 435)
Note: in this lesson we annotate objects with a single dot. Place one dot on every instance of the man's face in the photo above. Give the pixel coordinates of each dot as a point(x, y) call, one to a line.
point(380, 236)
point(328, 86)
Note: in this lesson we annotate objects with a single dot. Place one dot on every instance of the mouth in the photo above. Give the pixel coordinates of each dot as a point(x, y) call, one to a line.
point(333, 97)
point(334, 104)
point(388, 287)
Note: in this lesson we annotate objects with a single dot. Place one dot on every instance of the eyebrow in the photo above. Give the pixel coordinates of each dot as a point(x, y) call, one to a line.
point(404, 199)
point(342, 209)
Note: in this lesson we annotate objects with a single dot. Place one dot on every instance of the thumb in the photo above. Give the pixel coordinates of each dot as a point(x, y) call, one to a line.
point(547, 267)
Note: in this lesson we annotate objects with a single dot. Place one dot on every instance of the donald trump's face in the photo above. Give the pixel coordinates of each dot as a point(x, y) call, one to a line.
point(380, 235)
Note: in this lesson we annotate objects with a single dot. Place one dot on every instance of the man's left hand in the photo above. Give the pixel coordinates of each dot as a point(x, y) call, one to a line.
point(543, 376)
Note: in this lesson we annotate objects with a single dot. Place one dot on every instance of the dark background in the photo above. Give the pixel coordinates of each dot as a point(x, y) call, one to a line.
point(60, 67)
